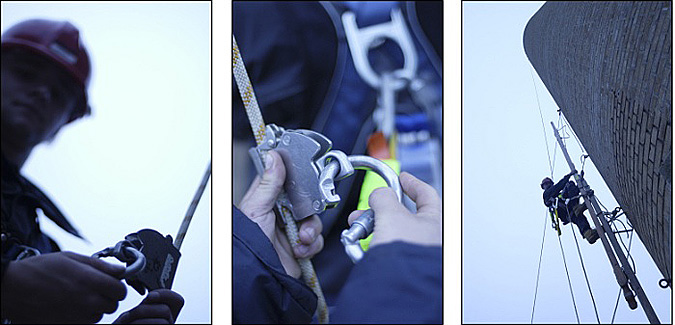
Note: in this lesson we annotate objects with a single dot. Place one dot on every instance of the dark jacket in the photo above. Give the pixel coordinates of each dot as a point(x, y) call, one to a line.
point(397, 283)
point(551, 193)
point(262, 291)
point(19, 202)
point(394, 283)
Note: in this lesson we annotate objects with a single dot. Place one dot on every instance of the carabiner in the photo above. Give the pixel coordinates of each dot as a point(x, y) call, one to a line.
point(364, 225)
point(125, 253)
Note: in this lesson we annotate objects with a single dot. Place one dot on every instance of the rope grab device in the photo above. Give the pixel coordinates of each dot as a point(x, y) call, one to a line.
point(151, 258)
point(311, 171)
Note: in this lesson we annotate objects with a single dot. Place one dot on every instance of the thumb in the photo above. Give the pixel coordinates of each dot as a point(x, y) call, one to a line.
point(263, 193)
point(385, 204)
point(115, 270)
point(272, 179)
point(425, 196)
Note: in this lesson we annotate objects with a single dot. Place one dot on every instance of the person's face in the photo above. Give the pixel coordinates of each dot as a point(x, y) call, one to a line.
point(38, 98)
point(546, 185)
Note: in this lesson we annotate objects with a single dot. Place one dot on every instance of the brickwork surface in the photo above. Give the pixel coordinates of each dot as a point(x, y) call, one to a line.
point(608, 67)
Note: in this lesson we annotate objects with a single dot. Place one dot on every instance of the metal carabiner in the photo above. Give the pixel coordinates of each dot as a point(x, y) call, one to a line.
point(126, 253)
point(364, 225)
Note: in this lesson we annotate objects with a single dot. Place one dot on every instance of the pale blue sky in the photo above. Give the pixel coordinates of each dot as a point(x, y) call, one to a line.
point(504, 160)
point(137, 161)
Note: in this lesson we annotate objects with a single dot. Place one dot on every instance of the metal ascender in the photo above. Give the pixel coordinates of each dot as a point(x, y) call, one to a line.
point(151, 259)
point(311, 171)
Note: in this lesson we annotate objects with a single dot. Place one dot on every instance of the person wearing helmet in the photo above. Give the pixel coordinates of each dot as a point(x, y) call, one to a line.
point(555, 198)
point(45, 74)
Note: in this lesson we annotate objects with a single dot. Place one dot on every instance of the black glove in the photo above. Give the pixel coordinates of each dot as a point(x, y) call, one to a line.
point(574, 171)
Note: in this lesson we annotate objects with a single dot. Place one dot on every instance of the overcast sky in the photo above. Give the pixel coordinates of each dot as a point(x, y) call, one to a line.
point(137, 161)
point(504, 159)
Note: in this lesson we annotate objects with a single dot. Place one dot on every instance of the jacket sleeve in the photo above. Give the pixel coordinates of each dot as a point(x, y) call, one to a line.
point(262, 291)
point(393, 283)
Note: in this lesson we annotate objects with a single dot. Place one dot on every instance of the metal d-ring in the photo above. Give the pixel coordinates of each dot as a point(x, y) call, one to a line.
point(126, 253)
point(364, 224)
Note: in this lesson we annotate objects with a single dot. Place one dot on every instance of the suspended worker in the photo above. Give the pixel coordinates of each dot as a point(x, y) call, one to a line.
point(45, 75)
point(562, 200)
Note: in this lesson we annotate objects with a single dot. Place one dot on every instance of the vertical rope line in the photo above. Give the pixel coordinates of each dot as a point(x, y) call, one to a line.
point(543, 126)
point(568, 280)
point(247, 94)
point(541, 251)
point(588, 284)
point(258, 126)
point(574, 134)
point(192, 208)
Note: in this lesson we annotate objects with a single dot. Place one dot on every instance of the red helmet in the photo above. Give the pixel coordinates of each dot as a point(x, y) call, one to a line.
point(546, 180)
point(60, 42)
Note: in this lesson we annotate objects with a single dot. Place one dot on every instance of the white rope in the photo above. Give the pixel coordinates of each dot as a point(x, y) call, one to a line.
point(568, 280)
point(541, 253)
point(548, 152)
point(247, 94)
point(258, 126)
point(191, 209)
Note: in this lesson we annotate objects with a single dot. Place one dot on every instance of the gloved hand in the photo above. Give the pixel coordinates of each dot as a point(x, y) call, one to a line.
point(393, 221)
point(161, 306)
point(574, 171)
point(61, 287)
point(258, 203)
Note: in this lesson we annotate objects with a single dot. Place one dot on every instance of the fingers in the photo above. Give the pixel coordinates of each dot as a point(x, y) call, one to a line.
point(354, 215)
point(384, 202)
point(165, 296)
point(310, 228)
point(423, 194)
point(311, 241)
point(102, 277)
point(308, 251)
point(263, 193)
point(161, 306)
point(115, 270)
point(144, 312)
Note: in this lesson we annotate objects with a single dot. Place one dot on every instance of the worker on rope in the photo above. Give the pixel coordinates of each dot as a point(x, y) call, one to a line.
point(45, 75)
point(397, 281)
point(562, 200)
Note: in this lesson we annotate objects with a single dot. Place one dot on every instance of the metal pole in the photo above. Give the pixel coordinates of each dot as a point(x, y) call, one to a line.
point(608, 241)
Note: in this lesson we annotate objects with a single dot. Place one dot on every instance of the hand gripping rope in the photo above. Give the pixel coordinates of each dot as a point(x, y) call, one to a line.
point(258, 126)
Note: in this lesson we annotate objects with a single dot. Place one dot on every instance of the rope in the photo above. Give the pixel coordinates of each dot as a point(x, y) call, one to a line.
point(258, 126)
point(568, 280)
point(247, 94)
point(588, 284)
point(541, 251)
point(191, 209)
point(543, 126)
point(575, 135)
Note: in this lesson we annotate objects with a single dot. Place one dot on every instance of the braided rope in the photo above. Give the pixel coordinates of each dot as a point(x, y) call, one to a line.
point(258, 126)
point(192, 208)
point(247, 94)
